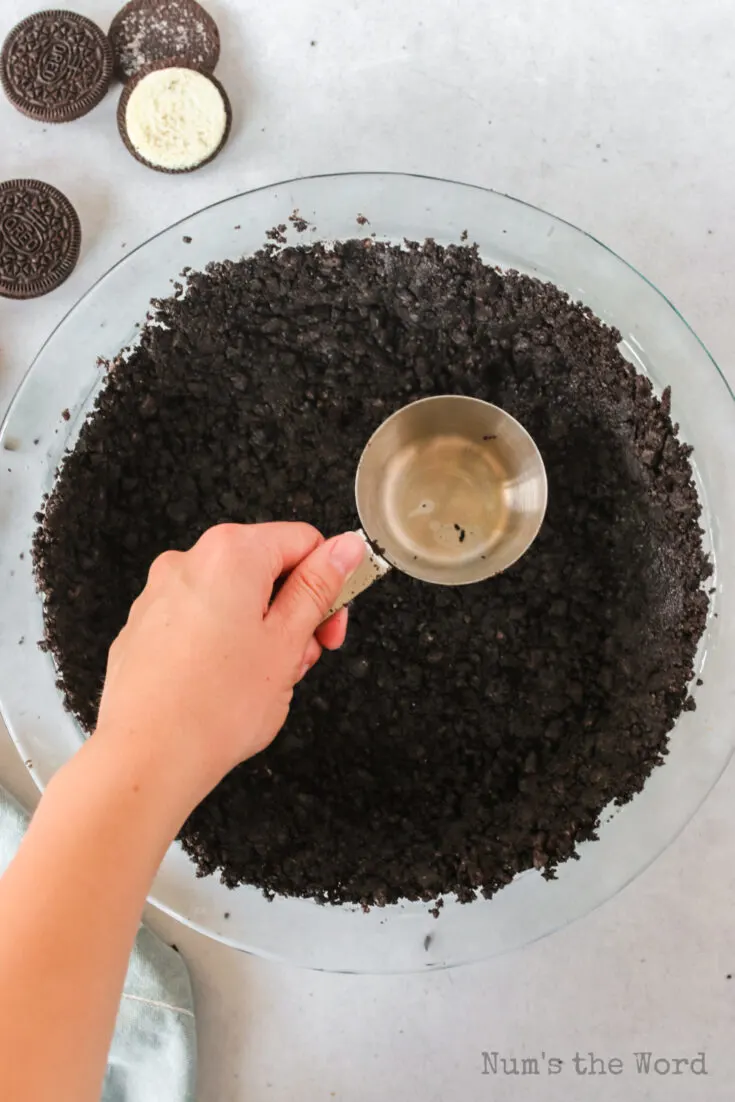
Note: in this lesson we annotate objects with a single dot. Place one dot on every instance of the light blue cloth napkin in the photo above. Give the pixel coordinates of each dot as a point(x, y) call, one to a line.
point(153, 1053)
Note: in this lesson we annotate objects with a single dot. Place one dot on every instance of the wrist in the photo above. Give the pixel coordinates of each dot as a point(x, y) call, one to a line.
point(131, 776)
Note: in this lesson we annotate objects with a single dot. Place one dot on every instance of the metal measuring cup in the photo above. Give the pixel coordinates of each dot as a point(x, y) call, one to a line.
point(450, 490)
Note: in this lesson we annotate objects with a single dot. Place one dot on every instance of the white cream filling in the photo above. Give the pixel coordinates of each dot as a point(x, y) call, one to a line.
point(175, 118)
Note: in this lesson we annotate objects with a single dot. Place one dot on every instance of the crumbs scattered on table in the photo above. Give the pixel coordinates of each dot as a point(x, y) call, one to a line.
point(362, 220)
point(186, 239)
point(464, 235)
point(65, 414)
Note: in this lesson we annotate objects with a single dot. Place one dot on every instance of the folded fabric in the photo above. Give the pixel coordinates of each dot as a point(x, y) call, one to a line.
point(153, 1052)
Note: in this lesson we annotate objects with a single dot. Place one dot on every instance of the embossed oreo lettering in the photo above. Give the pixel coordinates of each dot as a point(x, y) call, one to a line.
point(40, 237)
point(56, 66)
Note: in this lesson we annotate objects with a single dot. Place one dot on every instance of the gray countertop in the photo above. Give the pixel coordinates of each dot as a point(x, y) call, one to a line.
point(621, 119)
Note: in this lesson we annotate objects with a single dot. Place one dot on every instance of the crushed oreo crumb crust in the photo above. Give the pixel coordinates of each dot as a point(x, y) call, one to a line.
point(463, 734)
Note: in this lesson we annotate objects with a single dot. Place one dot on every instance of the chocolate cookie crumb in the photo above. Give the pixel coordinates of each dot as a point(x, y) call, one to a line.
point(277, 234)
point(559, 679)
point(300, 224)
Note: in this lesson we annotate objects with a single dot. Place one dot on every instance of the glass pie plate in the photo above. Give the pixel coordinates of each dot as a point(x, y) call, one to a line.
point(511, 234)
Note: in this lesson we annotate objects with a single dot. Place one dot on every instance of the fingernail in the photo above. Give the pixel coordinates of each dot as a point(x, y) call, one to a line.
point(306, 666)
point(347, 552)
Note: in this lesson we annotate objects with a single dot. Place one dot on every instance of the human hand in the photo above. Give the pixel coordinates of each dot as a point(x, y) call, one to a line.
point(202, 675)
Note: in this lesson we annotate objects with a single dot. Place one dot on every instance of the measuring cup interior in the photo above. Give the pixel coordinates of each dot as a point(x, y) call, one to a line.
point(451, 490)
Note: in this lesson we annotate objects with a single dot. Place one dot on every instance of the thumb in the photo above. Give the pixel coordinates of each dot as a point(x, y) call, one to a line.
point(312, 588)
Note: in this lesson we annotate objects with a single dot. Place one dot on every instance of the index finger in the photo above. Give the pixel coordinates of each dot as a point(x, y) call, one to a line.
point(286, 544)
point(256, 554)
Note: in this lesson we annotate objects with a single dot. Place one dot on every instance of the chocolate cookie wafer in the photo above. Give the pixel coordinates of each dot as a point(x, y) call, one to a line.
point(145, 31)
point(56, 66)
point(172, 117)
point(40, 238)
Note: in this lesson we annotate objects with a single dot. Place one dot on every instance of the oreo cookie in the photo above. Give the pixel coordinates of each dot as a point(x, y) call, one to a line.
point(55, 66)
point(40, 238)
point(172, 117)
point(145, 31)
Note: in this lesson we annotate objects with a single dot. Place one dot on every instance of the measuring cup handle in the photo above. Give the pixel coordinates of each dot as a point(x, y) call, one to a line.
point(373, 566)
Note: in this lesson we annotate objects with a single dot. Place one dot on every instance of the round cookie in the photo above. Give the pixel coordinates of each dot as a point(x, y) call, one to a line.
point(172, 117)
point(40, 238)
point(145, 31)
point(55, 66)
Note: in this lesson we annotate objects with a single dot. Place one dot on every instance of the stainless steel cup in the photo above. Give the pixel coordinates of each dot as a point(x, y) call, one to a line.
point(450, 490)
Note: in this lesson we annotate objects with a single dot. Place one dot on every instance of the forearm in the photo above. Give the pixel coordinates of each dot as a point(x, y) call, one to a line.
point(199, 679)
point(70, 905)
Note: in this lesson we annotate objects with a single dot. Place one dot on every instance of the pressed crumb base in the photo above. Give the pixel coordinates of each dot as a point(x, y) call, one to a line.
point(462, 735)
